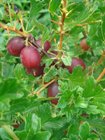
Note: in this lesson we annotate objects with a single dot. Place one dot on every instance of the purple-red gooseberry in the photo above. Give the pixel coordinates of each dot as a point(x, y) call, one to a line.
point(76, 62)
point(84, 45)
point(47, 44)
point(30, 57)
point(15, 45)
point(28, 70)
point(39, 71)
point(53, 91)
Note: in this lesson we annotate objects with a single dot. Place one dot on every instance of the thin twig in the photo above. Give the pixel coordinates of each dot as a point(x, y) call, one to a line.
point(8, 28)
point(101, 75)
point(100, 61)
point(58, 23)
point(46, 85)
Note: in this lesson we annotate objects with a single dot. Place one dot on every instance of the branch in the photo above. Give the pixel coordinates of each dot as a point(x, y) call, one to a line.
point(46, 85)
point(24, 34)
point(101, 58)
point(62, 23)
point(101, 75)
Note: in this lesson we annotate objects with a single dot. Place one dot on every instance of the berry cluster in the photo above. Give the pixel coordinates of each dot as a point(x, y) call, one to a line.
point(31, 59)
point(29, 55)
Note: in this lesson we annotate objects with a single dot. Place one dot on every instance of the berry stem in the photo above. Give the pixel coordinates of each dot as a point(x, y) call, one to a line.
point(101, 75)
point(33, 42)
point(62, 24)
point(24, 34)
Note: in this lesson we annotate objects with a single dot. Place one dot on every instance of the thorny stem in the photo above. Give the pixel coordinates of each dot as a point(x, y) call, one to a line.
point(101, 75)
point(13, 29)
point(101, 58)
point(99, 63)
point(62, 24)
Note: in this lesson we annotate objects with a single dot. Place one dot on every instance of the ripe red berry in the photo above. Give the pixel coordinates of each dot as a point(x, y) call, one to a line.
point(28, 70)
point(53, 91)
point(47, 44)
point(30, 57)
point(84, 44)
point(76, 62)
point(16, 125)
point(39, 71)
point(15, 45)
point(70, 69)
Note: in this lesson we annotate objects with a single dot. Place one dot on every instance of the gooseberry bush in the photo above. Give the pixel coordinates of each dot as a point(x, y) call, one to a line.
point(52, 67)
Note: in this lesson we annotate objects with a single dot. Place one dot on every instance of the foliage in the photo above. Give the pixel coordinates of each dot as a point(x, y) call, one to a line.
point(26, 112)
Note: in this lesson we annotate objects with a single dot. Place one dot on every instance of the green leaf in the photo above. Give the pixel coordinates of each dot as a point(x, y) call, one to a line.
point(4, 105)
point(1, 12)
point(42, 135)
point(22, 134)
point(51, 72)
point(81, 102)
point(4, 135)
point(67, 60)
point(7, 70)
point(1, 43)
point(84, 130)
point(54, 4)
point(55, 123)
point(73, 128)
point(33, 123)
point(9, 88)
point(36, 7)
point(44, 114)
point(73, 137)
point(98, 124)
point(78, 77)
point(27, 105)
point(92, 109)
point(42, 28)
point(65, 139)
point(90, 84)
point(19, 71)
